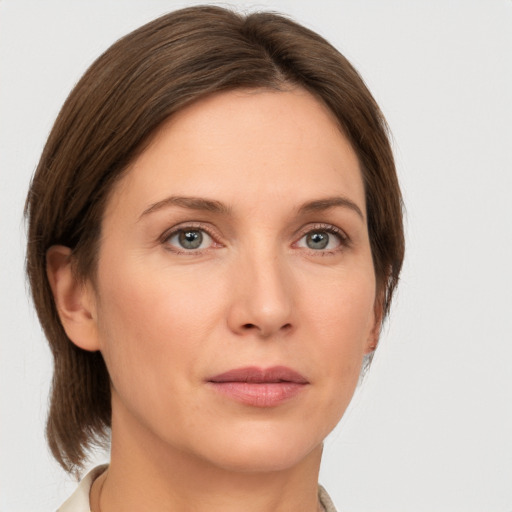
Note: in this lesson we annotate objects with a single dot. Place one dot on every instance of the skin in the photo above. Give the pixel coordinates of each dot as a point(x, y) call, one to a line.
point(255, 293)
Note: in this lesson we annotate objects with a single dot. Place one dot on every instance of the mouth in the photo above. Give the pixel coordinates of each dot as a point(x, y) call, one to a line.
point(259, 387)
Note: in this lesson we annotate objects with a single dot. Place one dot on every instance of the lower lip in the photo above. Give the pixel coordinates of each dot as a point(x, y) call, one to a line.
point(266, 394)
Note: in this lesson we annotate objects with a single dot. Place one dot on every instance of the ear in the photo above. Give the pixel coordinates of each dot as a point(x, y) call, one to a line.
point(75, 300)
point(378, 314)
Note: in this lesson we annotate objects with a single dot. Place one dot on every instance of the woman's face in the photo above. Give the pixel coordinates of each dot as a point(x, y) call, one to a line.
point(235, 291)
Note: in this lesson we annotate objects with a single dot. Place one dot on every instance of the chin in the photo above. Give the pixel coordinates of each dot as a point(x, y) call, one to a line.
point(263, 452)
point(260, 461)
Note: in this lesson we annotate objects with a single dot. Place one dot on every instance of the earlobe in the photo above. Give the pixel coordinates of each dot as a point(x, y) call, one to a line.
point(373, 338)
point(74, 299)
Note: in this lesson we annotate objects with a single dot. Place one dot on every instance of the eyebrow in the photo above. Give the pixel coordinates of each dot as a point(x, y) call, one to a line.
point(328, 203)
point(210, 205)
point(192, 203)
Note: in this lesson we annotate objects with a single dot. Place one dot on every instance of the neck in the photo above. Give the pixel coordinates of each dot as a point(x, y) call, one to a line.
point(147, 476)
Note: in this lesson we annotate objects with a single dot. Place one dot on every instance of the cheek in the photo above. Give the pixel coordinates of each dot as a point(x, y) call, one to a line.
point(343, 308)
point(342, 319)
point(155, 315)
point(149, 321)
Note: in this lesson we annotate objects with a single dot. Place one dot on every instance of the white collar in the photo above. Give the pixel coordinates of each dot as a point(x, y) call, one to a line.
point(79, 500)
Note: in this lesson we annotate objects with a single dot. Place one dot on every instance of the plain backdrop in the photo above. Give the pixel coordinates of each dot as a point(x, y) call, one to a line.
point(431, 427)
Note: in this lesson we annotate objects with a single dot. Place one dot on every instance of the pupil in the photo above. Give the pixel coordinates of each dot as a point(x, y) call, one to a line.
point(317, 240)
point(191, 239)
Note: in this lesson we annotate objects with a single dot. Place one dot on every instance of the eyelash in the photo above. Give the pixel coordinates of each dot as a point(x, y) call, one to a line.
point(344, 240)
point(184, 228)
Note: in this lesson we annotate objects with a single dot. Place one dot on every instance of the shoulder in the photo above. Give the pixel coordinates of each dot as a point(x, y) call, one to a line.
point(79, 500)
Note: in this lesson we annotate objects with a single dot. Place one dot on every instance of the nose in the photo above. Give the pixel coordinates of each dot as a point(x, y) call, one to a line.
point(261, 297)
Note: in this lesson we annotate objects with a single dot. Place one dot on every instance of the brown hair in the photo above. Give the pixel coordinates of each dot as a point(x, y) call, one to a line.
point(108, 119)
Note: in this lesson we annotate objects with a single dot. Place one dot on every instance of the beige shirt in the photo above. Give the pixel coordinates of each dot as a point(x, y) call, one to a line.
point(79, 500)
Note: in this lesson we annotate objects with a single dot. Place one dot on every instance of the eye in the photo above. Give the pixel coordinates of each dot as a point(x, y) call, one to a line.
point(191, 239)
point(322, 239)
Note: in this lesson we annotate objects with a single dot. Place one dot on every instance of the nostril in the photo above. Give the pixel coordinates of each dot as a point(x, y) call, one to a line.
point(247, 327)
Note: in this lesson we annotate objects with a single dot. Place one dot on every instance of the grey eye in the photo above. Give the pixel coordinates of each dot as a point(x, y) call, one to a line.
point(190, 239)
point(317, 240)
point(321, 239)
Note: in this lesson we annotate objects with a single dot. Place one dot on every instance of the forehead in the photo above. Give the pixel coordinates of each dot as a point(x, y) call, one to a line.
point(247, 145)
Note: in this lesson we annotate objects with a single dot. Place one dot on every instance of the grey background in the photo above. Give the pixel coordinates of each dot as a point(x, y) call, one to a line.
point(431, 428)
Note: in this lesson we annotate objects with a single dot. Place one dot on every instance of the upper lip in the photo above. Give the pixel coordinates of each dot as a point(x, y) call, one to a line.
point(256, 375)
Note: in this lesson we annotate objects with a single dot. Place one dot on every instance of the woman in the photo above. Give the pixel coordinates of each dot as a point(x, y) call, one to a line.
point(215, 235)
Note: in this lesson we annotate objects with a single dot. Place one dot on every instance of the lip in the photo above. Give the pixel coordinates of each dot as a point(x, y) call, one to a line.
point(259, 387)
